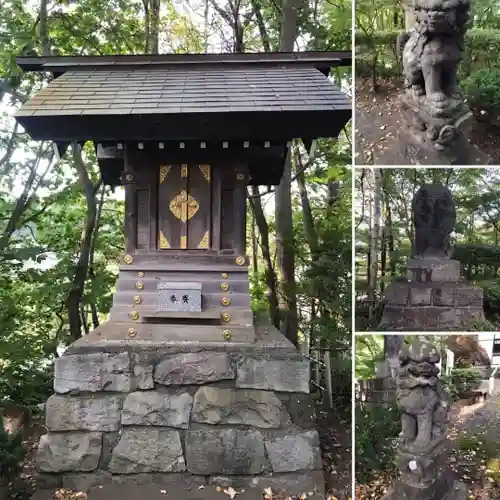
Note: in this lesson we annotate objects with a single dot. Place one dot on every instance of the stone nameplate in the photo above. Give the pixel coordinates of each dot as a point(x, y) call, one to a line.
point(179, 297)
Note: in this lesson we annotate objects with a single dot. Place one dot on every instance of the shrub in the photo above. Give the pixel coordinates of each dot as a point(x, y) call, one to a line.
point(482, 89)
point(479, 444)
point(12, 452)
point(465, 380)
point(377, 428)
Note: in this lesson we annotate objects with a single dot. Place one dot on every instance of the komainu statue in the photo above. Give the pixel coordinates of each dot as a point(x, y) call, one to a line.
point(423, 402)
point(433, 49)
point(434, 217)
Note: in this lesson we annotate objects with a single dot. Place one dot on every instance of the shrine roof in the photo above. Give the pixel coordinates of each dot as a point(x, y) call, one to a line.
point(187, 96)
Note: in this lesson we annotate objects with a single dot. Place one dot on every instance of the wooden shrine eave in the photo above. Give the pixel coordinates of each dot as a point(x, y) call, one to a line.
point(321, 60)
point(209, 101)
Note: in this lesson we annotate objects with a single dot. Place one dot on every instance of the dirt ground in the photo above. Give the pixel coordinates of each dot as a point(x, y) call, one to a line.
point(335, 436)
point(378, 121)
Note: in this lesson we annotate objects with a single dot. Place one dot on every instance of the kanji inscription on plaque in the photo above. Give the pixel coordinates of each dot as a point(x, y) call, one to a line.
point(179, 297)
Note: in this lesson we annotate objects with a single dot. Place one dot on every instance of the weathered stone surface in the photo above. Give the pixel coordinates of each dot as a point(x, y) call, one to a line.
point(469, 296)
point(147, 449)
point(184, 479)
point(144, 377)
point(213, 405)
point(472, 314)
point(71, 451)
point(295, 483)
point(287, 375)
point(302, 410)
point(193, 368)
point(420, 296)
point(442, 270)
point(84, 481)
point(397, 294)
point(93, 372)
point(109, 440)
point(225, 451)
point(48, 481)
point(444, 296)
point(154, 408)
point(294, 452)
point(65, 413)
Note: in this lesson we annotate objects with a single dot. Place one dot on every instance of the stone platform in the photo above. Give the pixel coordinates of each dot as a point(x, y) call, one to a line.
point(432, 299)
point(165, 412)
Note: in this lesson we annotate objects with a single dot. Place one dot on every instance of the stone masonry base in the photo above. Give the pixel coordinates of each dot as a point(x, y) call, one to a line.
point(191, 413)
point(431, 306)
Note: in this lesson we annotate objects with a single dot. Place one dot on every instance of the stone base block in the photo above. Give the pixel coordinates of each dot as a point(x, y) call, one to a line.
point(433, 270)
point(197, 413)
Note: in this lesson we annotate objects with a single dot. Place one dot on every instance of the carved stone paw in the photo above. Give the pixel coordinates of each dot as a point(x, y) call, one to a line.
point(437, 97)
point(447, 134)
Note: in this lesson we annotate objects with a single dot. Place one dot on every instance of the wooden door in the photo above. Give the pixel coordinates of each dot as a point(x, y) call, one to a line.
point(184, 207)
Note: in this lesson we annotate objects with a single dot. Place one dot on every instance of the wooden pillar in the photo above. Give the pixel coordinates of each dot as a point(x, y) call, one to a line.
point(129, 183)
point(240, 211)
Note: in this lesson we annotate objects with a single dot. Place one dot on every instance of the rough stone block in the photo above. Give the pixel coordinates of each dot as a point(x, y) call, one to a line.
point(397, 294)
point(302, 411)
point(469, 296)
point(93, 372)
point(147, 449)
point(420, 296)
point(447, 318)
point(442, 270)
point(109, 440)
point(225, 451)
point(87, 413)
point(154, 408)
point(47, 481)
point(287, 375)
point(472, 314)
point(294, 452)
point(144, 377)
point(71, 451)
point(184, 479)
point(444, 296)
point(193, 368)
point(295, 483)
point(84, 482)
point(213, 405)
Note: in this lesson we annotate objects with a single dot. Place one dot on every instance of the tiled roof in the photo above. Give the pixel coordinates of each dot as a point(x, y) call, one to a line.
point(178, 90)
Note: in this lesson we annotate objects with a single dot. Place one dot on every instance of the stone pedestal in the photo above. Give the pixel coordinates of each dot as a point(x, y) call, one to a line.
point(168, 412)
point(432, 299)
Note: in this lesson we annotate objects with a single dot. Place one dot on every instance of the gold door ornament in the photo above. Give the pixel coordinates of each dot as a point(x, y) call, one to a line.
point(164, 170)
point(205, 170)
point(204, 243)
point(184, 206)
point(163, 241)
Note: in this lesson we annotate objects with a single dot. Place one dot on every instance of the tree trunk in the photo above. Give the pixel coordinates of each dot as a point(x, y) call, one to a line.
point(154, 26)
point(284, 225)
point(81, 267)
point(392, 346)
point(260, 219)
point(374, 240)
point(44, 28)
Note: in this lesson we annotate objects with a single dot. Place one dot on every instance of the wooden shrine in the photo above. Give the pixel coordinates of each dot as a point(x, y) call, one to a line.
point(185, 135)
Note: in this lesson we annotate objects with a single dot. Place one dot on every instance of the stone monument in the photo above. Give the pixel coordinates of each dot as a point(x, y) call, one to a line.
point(423, 447)
point(432, 297)
point(434, 115)
point(180, 385)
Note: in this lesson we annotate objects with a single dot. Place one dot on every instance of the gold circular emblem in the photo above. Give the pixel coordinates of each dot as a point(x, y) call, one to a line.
point(240, 260)
point(128, 259)
point(226, 317)
point(223, 276)
point(227, 334)
point(141, 274)
point(139, 285)
point(132, 332)
point(134, 315)
point(225, 301)
point(224, 287)
point(137, 299)
point(240, 176)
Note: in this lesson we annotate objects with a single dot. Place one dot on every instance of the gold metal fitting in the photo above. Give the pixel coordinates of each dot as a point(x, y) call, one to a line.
point(227, 334)
point(225, 301)
point(226, 317)
point(224, 287)
point(139, 285)
point(141, 274)
point(128, 259)
point(240, 176)
point(137, 299)
point(132, 332)
point(240, 260)
point(134, 315)
point(223, 276)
